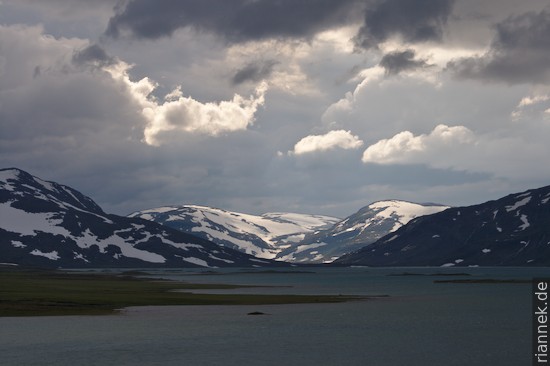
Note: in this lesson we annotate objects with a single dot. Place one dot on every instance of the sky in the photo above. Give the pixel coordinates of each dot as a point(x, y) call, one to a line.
point(309, 106)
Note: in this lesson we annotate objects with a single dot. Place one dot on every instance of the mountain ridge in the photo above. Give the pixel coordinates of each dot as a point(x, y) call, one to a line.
point(52, 225)
point(361, 228)
point(258, 235)
point(299, 241)
point(48, 224)
point(510, 231)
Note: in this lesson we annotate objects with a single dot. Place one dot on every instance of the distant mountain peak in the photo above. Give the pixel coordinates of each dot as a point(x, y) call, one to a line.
point(44, 193)
point(511, 231)
point(367, 225)
point(51, 225)
point(293, 237)
point(263, 236)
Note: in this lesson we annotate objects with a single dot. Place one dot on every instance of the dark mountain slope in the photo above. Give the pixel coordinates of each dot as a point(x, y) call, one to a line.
point(52, 225)
point(511, 231)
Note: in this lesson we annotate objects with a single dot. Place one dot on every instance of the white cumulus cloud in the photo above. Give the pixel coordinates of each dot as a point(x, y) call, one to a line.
point(334, 139)
point(179, 113)
point(459, 148)
point(532, 105)
point(405, 147)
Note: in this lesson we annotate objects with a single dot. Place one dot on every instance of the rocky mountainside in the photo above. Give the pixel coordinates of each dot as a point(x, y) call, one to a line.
point(511, 231)
point(365, 226)
point(263, 236)
point(51, 225)
point(288, 236)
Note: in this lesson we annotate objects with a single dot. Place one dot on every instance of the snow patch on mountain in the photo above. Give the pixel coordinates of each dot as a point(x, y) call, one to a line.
point(196, 261)
point(510, 231)
point(48, 224)
point(51, 255)
point(28, 223)
point(365, 226)
point(518, 204)
point(402, 211)
point(263, 236)
point(525, 224)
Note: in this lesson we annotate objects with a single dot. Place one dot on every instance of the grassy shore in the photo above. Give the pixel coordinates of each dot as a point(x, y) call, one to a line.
point(25, 292)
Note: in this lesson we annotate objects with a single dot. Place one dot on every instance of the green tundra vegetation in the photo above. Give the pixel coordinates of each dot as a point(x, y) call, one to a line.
point(31, 292)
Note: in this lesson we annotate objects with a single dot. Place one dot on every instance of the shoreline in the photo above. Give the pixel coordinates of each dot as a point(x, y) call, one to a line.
point(30, 292)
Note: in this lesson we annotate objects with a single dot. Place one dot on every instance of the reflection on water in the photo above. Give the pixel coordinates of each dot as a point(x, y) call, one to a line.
point(421, 323)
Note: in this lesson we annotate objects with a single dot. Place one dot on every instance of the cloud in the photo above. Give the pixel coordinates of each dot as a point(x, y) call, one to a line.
point(83, 127)
point(459, 148)
point(405, 147)
point(254, 71)
point(65, 119)
point(92, 54)
point(244, 20)
point(62, 10)
point(414, 21)
point(43, 95)
point(530, 100)
point(185, 114)
point(21, 58)
point(519, 53)
point(329, 141)
point(533, 105)
point(417, 100)
point(236, 21)
point(66, 123)
point(397, 61)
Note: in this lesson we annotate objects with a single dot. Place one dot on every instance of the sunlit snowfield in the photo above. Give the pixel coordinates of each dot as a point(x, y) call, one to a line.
point(420, 323)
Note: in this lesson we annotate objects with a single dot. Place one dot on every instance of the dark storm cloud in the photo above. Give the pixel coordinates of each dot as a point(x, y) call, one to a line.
point(397, 61)
point(254, 72)
point(234, 20)
point(92, 54)
point(519, 53)
point(244, 20)
point(413, 20)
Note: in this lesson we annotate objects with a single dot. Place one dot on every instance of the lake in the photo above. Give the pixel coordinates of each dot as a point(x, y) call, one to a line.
point(419, 323)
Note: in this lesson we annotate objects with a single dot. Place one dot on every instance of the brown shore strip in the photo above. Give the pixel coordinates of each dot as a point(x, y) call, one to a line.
point(30, 292)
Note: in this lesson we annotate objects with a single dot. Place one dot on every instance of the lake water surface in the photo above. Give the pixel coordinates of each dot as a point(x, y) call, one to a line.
point(420, 323)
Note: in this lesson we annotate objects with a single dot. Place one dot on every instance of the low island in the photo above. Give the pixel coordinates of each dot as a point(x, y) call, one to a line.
point(38, 292)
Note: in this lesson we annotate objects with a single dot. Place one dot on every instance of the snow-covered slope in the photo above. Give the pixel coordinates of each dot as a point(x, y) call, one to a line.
point(52, 225)
point(263, 236)
point(363, 227)
point(289, 236)
point(511, 231)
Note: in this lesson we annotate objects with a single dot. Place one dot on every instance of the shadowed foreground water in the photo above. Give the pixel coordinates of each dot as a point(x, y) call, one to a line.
point(421, 323)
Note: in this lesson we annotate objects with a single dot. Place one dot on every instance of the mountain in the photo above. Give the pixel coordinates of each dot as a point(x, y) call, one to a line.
point(51, 225)
point(263, 236)
point(365, 226)
point(511, 231)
